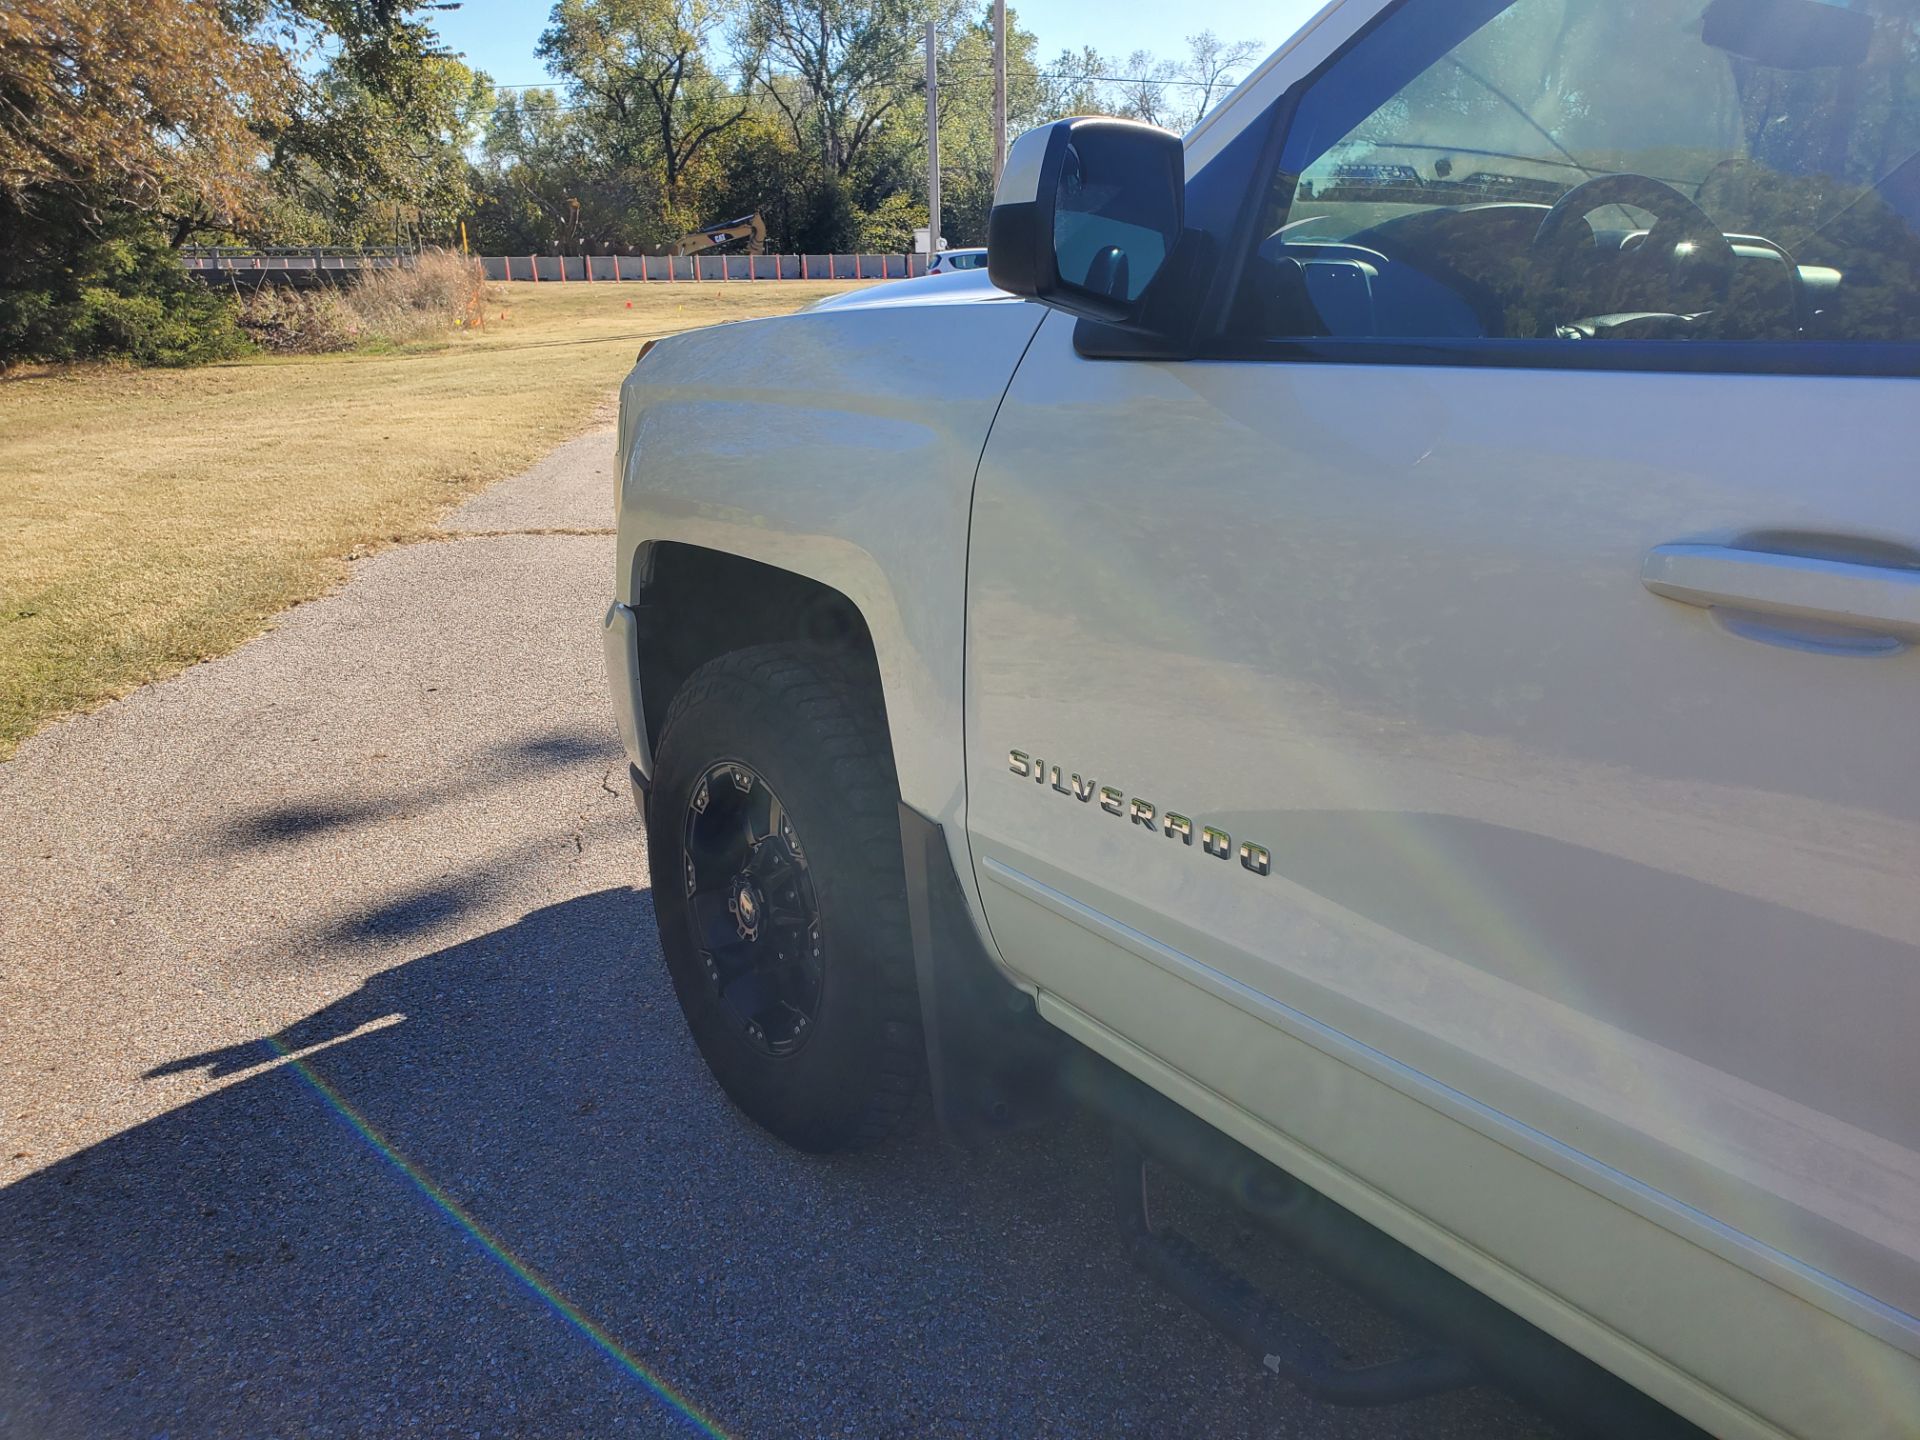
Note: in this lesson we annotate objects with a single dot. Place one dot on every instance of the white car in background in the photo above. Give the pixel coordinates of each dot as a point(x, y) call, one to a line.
point(947, 261)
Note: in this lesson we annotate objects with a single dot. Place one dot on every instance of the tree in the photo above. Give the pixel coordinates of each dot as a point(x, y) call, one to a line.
point(112, 117)
point(824, 135)
point(836, 69)
point(123, 106)
point(641, 68)
point(127, 129)
point(966, 119)
point(545, 185)
point(758, 166)
point(1176, 94)
point(1141, 91)
point(374, 141)
point(1073, 84)
point(1211, 69)
point(368, 161)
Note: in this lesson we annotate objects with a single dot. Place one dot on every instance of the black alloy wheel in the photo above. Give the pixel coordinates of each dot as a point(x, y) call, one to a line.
point(755, 921)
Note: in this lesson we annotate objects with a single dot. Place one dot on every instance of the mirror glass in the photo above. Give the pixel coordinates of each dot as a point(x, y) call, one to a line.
point(1116, 215)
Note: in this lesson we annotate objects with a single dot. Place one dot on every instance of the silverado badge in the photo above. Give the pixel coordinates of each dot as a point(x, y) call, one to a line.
point(1255, 859)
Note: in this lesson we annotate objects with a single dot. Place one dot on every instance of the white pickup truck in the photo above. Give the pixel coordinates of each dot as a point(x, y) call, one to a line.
point(1388, 635)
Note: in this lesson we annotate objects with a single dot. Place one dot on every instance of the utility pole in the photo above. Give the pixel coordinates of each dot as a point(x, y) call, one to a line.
point(1000, 88)
point(933, 142)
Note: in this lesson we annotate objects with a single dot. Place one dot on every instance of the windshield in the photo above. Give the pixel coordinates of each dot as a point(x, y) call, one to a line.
point(1736, 170)
point(1547, 93)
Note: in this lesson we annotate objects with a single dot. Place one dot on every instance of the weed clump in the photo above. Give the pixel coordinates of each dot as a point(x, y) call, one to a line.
point(436, 292)
point(285, 321)
point(419, 300)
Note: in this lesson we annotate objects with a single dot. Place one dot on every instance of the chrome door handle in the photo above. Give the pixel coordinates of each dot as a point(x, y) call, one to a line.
point(1872, 598)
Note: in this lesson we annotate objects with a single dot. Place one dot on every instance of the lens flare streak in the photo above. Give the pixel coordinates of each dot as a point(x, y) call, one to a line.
point(519, 1269)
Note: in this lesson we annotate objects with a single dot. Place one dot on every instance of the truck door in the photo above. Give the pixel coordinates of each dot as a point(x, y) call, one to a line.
point(1481, 678)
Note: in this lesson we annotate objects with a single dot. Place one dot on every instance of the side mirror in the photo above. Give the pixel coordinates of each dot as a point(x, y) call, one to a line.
point(1086, 214)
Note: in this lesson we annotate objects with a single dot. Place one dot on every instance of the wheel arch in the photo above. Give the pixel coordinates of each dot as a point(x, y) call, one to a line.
point(693, 604)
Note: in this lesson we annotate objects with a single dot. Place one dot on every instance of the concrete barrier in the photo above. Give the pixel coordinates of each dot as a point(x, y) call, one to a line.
point(715, 269)
point(590, 269)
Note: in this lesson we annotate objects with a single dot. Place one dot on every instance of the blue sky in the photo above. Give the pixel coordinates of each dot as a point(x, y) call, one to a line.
point(498, 36)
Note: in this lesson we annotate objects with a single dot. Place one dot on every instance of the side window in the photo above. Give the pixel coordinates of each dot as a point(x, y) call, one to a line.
point(1579, 170)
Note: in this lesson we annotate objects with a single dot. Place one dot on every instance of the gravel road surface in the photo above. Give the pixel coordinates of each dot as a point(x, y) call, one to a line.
point(342, 1091)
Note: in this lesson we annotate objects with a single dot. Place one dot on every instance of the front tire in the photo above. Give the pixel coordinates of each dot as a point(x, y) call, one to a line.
point(774, 850)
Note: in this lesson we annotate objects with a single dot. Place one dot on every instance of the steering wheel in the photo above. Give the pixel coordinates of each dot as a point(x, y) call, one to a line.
point(1677, 221)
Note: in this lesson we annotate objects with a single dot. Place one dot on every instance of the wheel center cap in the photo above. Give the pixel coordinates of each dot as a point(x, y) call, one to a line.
point(746, 908)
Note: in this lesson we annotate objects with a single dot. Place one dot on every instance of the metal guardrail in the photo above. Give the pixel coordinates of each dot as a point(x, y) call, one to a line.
point(219, 259)
point(250, 250)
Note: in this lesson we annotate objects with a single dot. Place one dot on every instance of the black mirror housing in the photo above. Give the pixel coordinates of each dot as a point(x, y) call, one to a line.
point(1086, 215)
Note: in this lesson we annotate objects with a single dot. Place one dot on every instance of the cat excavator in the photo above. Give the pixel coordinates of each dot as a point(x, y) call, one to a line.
point(750, 228)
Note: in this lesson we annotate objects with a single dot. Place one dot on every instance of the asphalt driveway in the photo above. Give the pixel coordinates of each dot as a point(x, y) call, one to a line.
point(342, 1091)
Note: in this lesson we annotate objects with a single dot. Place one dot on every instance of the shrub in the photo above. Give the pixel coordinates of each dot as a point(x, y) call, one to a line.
point(117, 292)
point(77, 294)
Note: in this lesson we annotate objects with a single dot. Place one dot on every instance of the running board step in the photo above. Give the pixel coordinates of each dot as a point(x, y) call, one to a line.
point(1281, 1341)
point(1444, 1312)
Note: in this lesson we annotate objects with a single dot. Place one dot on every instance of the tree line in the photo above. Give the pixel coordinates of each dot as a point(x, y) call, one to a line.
point(128, 132)
point(669, 114)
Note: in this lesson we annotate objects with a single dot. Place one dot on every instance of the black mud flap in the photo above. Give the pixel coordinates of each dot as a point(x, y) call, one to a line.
point(991, 1062)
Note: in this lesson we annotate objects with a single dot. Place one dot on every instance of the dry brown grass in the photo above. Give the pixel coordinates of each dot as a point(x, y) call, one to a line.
point(435, 293)
point(284, 321)
point(150, 519)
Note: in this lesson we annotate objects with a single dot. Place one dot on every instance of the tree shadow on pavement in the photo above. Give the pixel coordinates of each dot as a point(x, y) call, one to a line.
point(493, 1192)
point(296, 822)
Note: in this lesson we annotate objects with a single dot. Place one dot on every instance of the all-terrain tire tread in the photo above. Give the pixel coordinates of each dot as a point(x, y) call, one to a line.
point(823, 694)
